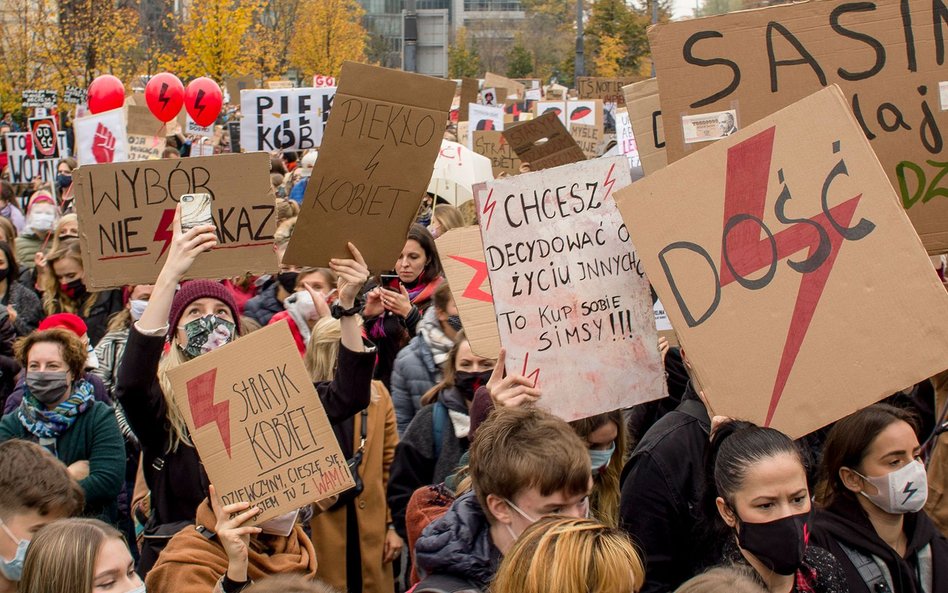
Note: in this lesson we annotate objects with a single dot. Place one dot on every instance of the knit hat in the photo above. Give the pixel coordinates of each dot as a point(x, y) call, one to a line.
point(73, 323)
point(200, 289)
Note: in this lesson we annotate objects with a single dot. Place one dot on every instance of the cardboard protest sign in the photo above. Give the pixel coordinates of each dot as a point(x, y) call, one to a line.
point(544, 143)
point(589, 139)
point(625, 138)
point(556, 107)
point(23, 161)
point(233, 86)
point(39, 98)
point(291, 119)
point(556, 92)
point(512, 86)
point(462, 256)
point(645, 117)
point(146, 139)
point(573, 307)
point(882, 54)
point(502, 157)
point(608, 90)
point(74, 95)
point(101, 138)
point(469, 94)
point(377, 156)
point(585, 113)
point(483, 118)
point(279, 85)
point(126, 210)
point(811, 259)
point(259, 425)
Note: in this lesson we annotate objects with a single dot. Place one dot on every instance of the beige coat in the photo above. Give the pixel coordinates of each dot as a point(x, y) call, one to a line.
point(372, 512)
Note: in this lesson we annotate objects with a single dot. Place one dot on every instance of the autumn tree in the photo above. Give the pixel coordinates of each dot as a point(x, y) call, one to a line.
point(273, 31)
point(22, 59)
point(519, 61)
point(549, 31)
point(328, 33)
point(615, 28)
point(463, 59)
point(215, 37)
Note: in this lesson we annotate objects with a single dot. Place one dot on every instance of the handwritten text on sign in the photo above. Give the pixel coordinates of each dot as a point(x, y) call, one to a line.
point(567, 286)
point(286, 119)
point(126, 212)
point(259, 425)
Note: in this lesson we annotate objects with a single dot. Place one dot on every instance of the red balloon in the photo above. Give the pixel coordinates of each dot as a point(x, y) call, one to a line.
point(164, 94)
point(105, 94)
point(203, 99)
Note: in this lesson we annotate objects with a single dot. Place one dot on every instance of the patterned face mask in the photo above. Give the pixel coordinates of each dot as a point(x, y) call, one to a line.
point(206, 334)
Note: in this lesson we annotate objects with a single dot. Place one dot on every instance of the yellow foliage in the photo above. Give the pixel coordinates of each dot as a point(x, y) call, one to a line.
point(611, 51)
point(328, 32)
point(215, 38)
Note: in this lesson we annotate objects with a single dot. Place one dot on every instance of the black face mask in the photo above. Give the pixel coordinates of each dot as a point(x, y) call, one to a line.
point(3, 274)
point(288, 280)
point(75, 290)
point(455, 322)
point(779, 544)
point(468, 383)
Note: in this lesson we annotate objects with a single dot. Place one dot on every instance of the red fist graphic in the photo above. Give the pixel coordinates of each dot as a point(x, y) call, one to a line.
point(103, 145)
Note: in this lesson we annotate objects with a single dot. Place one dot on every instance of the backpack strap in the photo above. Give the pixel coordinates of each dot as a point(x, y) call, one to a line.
point(439, 419)
point(443, 583)
point(873, 571)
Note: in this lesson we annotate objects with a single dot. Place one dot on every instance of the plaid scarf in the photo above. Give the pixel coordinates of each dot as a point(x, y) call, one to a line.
point(50, 424)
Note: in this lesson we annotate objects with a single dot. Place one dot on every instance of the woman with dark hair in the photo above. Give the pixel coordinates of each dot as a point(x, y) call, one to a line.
point(758, 502)
point(393, 310)
point(22, 305)
point(873, 490)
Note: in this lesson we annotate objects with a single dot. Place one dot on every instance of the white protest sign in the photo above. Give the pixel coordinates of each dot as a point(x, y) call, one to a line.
point(101, 138)
point(483, 118)
point(573, 306)
point(191, 128)
point(24, 166)
point(285, 119)
point(625, 139)
point(557, 107)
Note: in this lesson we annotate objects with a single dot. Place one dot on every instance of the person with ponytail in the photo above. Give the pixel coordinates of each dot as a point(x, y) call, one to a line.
point(394, 310)
point(758, 504)
point(873, 491)
point(194, 320)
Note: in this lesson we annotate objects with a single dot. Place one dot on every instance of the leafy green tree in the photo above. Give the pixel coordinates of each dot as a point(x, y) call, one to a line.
point(519, 61)
point(463, 60)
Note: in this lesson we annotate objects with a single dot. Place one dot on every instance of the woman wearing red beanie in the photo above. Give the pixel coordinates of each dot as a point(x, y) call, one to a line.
point(196, 319)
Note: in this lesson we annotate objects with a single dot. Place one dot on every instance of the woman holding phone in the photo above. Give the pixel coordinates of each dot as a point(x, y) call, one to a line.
point(394, 308)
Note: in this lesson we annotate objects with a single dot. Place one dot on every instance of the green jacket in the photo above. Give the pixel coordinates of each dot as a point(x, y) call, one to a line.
point(94, 437)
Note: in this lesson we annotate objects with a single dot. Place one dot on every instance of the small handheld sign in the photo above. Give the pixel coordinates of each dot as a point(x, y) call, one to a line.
point(43, 130)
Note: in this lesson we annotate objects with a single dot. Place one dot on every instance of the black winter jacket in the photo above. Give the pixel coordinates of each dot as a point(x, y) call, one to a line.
point(846, 522)
point(265, 305)
point(662, 487)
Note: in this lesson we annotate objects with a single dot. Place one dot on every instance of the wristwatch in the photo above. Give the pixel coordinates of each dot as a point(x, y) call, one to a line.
point(338, 312)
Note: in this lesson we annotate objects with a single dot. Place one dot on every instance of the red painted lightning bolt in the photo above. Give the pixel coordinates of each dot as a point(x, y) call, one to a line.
point(473, 289)
point(204, 410)
point(535, 375)
point(489, 204)
point(165, 231)
point(748, 172)
point(609, 182)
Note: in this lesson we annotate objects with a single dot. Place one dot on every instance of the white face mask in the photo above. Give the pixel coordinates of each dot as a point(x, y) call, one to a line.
point(520, 512)
point(281, 525)
point(139, 589)
point(137, 308)
point(903, 491)
point(42, 221)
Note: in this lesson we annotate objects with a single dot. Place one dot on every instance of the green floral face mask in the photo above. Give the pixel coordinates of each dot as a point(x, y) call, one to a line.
point(207, 333)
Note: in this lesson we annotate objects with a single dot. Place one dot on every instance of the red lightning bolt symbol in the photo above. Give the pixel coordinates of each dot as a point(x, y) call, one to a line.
point(164, 232)
point(204, 410)
point(489, 204)
point(609, 182)
point(748, 171)
point(535, 375)
point(473, 289)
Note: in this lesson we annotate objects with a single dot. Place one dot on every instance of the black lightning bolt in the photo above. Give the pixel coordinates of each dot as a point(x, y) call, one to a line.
point(910, 491)
point(161, 95)
point(373, 163)
point(197, 102)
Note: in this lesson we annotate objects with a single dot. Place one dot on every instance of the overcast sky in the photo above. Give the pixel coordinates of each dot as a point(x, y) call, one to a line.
point(684, 8)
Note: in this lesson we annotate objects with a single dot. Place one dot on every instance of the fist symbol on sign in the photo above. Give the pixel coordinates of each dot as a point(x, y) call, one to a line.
point(103, 145)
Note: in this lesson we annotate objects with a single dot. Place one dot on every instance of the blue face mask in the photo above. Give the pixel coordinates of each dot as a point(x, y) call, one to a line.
point(13, 569)
point(601, 458)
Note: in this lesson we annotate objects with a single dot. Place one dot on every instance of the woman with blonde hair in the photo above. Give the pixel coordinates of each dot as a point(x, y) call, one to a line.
point(444, 218)
point(66, 291)
point(79, 556)
point(606, 436)
point(362, 551)
point(566, 555)
point(197, 319)
point(723, 579)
